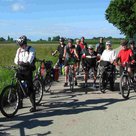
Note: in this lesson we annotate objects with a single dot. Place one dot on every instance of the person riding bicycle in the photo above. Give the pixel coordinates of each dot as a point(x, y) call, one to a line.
point(79, 51)
point(108, 58)
point(88, 62)
point(60, 50)
point(126, 57)
point(70, 54)
point(24, 58)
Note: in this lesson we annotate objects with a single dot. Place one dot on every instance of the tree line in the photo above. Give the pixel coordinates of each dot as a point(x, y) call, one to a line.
point(55, 39)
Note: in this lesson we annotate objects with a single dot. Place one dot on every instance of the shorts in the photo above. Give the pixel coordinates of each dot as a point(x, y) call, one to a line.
point(70, 61)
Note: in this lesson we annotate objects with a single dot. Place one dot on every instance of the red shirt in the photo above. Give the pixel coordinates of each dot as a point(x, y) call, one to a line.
point(82, 45)
point(124, 55)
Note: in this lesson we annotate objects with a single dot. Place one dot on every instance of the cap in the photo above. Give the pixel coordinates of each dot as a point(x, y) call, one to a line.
point(108, 43)
point(89, 46)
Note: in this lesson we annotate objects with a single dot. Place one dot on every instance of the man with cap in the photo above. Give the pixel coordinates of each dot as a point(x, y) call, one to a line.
point(88, 62)
point(108, 58)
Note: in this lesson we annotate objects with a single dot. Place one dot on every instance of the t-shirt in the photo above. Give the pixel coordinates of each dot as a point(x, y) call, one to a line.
point(78, 49)
point(125, 55)
point(100, 48)
point(83, 45)
point(70, 51)
point(108, 55)
point(60, 49)
point(91, 61)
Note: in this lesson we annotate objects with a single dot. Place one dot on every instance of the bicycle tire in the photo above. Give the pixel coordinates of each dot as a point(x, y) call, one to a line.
point(38, 87)
point(124, 86)
point(103, 82)
point(71, 82)
point(9, 96)
point(47, 83)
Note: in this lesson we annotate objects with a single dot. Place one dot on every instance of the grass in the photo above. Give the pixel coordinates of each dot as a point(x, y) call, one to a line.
point(7, 55)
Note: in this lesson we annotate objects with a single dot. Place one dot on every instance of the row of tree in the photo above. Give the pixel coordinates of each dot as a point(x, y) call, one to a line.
point(53, 39)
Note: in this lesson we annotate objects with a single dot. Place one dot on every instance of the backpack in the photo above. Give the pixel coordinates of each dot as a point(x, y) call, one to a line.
point(32, 65)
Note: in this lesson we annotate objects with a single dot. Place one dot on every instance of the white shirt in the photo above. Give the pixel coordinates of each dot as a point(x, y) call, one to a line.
point(109, 55)
point(22, 55)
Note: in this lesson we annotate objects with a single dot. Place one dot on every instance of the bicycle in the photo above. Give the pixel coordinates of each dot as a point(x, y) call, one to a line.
point(71, 63)
point(105, 78)
point(12, 95)
point(126, 82)
point(45, 74)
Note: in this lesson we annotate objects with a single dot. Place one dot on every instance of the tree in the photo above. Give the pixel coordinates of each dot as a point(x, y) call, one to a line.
point(122, 14)
point(56, 38)
point(2, 39)
point(49, 39)
point(10, 39)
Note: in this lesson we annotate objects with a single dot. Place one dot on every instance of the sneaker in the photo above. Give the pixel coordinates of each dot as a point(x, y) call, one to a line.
point(75, 83)
point(65, 84)
point(33, 109)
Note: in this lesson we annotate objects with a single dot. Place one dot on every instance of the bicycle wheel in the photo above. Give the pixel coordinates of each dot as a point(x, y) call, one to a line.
point(103, 82)
point(124, 86)
point(9, 101)
point(47, 84)
point(38, 90)
point(71, 82)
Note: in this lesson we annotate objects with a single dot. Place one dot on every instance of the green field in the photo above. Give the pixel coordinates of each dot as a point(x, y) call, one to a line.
point(7, 54)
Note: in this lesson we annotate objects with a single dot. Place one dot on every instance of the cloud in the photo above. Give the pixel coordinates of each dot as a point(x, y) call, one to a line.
point(17, 7)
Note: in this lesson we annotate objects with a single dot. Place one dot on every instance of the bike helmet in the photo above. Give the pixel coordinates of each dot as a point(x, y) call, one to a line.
point(132, 42)
point(70, 40)
point(61, 39)
point(124, 43)
point(108, 43)
point(89, 46)
point(21, 40)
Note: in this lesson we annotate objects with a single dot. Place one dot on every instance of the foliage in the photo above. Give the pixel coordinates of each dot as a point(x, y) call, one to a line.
point(122, 14)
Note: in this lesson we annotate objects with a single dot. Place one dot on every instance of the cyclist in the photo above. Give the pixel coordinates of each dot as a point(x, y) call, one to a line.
point(70, 54)
point(133, 48)
point(88, 62)
point(60, 50)
point(78, 50)
point(100, 47)
point(126, 57)
point(108, 58)
point(24, 59)
point(83, 44)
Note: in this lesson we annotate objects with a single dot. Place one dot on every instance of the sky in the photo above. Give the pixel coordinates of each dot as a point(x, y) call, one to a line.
point(47, 18)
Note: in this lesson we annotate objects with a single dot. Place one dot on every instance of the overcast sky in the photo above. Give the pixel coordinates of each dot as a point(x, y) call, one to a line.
point(43, 18)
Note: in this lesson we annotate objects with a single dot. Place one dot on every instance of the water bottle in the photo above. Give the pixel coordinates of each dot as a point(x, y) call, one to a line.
point(24, 84)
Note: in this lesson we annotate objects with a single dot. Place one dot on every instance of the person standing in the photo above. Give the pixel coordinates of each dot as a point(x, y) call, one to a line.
point(89, 62)
point(100, 47)
point(60, 50)
point(78, 50)
point(108, 58)
point(25, 56)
